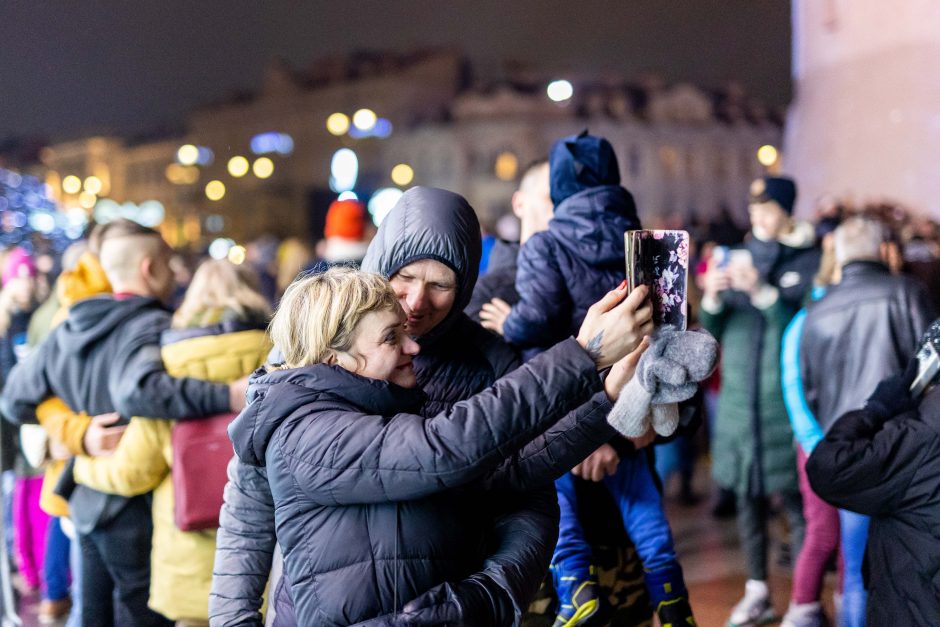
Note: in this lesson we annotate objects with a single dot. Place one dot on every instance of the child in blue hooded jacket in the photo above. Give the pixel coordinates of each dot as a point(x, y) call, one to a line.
point(562, 271)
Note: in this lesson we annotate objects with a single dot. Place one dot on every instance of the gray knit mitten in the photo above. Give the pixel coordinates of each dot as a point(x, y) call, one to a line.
point(667, 373)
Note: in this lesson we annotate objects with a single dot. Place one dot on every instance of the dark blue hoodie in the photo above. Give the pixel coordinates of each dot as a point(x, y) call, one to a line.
point(569, 267)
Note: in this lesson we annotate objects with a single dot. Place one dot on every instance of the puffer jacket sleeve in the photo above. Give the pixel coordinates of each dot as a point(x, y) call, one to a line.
point(543, 313)
point(343, 458)
point(560, 448)
point(137, 466)
point(525, 535)
point(866, 464)
point(140, 385)
point(63, 425)
point(244, 548)
point(796, 390)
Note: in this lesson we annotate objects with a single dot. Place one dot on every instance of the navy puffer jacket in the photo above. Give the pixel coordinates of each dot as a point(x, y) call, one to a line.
point(569, 267)
point(374, 508)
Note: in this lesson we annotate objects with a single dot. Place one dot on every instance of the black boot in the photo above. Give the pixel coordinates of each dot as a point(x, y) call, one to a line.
point(676, 613)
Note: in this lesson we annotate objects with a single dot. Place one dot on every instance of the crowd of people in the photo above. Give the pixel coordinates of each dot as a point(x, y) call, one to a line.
point(420, 442)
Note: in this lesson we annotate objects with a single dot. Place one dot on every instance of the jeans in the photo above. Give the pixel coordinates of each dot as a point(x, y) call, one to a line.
point(56, 565)
point(116, 570)
point(637, 497)
point(821, 542)
point(854, 597)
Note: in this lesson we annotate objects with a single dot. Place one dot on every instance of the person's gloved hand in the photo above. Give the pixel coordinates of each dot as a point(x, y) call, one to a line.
point(676, 361)
point(477, 601)
point(893, 395)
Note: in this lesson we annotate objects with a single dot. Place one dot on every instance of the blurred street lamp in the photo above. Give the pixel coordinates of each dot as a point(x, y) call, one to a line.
point(87, 200)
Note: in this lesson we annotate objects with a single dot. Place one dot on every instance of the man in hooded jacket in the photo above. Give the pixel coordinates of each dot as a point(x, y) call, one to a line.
point(457, 359)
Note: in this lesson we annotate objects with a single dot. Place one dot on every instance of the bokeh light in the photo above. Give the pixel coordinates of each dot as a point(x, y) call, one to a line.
point(238, 166)
point(215, 190)
point(364, 119)
point(71, 184)
point(767, 155)
point(507, 166)
point(337, 124)
point(237, 254)
point(344, 170)
point(93, 185)
point(87, 200)
point(382, 202)
point(187, 154)
point(559, 91)
point(402, 174)
point(263, 168)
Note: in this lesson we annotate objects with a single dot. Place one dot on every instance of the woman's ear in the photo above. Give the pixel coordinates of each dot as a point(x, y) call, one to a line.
point(330, 359)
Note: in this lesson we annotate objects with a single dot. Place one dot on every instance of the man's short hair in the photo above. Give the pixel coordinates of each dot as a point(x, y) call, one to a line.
point(859, 239)
point(123, 244)
point(529, 171)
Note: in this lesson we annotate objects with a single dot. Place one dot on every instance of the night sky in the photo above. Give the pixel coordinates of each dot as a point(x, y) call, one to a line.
point(70, 68)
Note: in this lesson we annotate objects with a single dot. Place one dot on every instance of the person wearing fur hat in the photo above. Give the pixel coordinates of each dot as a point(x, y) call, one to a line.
point(747, 305)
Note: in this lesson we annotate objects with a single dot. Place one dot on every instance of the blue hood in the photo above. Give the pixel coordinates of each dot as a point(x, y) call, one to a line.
point(591, 224)
point(580, 162)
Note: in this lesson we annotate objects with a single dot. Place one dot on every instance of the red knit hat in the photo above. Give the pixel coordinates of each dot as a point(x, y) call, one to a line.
point(18, 263)
point(346, 219)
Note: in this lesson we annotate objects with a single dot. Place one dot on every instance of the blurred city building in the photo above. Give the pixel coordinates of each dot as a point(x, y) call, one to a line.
point(372, 124)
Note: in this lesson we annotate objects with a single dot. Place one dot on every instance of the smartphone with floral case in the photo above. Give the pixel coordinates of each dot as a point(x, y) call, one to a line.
point(660, 259)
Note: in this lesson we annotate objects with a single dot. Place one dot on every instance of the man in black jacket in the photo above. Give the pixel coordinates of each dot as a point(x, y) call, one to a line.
point(864, 329)
point(106, 358)
point(883, 461)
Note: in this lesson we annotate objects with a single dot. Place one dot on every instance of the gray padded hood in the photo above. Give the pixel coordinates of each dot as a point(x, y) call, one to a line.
point(430, 223)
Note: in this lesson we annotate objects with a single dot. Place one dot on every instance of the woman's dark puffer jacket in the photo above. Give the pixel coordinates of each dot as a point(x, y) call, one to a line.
point(368, 508)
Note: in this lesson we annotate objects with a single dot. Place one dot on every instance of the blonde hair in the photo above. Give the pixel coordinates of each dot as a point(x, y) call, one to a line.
point(318, 315)
point(220, 285)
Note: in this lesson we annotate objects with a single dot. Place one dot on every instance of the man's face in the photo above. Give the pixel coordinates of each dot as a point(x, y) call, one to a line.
point(768, 220)
point(426, 291)
point(532, 204)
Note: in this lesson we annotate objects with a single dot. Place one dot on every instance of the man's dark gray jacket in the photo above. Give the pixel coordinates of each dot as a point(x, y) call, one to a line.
point(106, 358)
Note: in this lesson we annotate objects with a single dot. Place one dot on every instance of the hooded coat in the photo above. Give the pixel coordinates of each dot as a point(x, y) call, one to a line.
point(569, 267)
point(374, 506)
point(889, 469)
point(106, 358)
point(458, 359)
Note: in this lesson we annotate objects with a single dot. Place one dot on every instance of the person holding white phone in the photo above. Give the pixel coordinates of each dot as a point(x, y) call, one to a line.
point(748, 301)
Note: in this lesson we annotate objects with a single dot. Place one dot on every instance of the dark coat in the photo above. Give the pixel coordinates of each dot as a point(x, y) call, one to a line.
point(499, 280)
point(367, 505)
point(863, 330)
point(890, 470)
point(569, 267)
point(106, 358)
point(452, 366)
point(752, 424)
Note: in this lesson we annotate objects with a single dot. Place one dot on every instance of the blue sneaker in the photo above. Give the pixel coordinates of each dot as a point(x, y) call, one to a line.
point(577, 596)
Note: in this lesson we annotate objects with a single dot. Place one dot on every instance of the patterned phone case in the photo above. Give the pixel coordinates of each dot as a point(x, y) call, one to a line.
point(660, 259)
